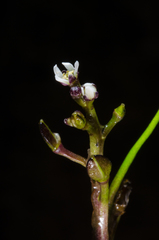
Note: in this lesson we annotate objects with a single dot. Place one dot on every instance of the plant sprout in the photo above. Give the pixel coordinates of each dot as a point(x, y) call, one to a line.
point(109, 201)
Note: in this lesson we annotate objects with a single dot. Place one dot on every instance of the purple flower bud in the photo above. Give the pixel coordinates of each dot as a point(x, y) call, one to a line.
point(75, 92)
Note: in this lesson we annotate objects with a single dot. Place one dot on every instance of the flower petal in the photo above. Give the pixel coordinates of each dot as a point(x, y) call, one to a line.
point(89, 91)
point(62, 80)
point(82, 90)
point(57, 71)
point(68, 66)
point(76, 67)
point(88, 84)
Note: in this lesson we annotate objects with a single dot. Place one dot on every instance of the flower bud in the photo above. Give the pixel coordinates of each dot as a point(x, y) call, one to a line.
point(53, 140)
point(89, 91)
point(119, 112)
point(76, 120)
point(99, 168)
point(75, 92)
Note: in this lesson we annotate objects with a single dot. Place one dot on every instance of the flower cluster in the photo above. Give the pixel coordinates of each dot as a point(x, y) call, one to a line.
point(87, 91)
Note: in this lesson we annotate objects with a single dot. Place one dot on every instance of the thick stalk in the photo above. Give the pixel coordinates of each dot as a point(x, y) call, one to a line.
point(100, 191)
point(99, 200)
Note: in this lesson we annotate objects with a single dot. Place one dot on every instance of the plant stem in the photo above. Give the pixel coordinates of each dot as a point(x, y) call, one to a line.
point(117, 116)
point(94, 130)
point(130, 157)
point(100, 191)
point(61, 150)
point(99, 200)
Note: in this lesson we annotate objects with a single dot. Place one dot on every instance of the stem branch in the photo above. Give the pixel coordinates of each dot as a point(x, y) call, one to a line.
point(61, 150)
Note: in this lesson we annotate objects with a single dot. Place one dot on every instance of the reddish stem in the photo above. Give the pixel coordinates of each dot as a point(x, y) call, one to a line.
point(99, 200)
point(61, 150)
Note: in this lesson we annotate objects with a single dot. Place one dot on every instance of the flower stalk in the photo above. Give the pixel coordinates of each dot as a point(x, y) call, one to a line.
point(108, 203)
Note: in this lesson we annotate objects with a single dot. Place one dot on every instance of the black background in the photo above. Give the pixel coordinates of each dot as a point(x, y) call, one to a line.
point(45, 196)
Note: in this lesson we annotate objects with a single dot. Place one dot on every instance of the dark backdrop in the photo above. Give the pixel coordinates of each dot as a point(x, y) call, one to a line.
point(44, 196)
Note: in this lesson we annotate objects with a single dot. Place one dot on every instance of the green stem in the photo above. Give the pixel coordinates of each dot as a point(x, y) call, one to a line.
point(108, 127)
point(130, 157)
point(100, 191)
point(117, 116)
point(94, 130)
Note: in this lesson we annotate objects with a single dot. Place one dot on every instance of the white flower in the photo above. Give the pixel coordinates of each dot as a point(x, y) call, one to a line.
point(89, 91)
point(67, 76)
